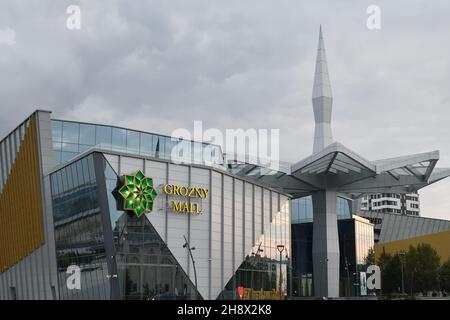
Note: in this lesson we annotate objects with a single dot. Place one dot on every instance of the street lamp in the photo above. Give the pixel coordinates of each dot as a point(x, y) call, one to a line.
point(289, 274)
point(401, 255)
point(280, 249)
point(186, 245)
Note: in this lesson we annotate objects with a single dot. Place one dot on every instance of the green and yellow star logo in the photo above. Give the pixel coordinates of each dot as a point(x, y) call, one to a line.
point(137, 193)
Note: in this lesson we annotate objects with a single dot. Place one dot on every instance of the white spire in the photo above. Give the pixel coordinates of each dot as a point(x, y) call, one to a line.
point(322, 100)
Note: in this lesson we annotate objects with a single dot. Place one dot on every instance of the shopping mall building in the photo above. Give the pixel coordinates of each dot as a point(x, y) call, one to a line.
point(115, 203)
point(90, 211)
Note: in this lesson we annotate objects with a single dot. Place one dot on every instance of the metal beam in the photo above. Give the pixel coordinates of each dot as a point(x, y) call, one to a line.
point(413, 172)
point(331, 162)
point(429, 170)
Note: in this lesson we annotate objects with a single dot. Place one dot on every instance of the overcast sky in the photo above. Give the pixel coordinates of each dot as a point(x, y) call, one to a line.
point(160, 65)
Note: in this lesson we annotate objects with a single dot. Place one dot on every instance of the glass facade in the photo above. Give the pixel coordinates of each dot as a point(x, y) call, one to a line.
point(356, 241)
point(302, 209)
point(72, 138)
point(146, 269)
point(355, 245)
point(302, 261)
point(265, 271)
point(356, 238)
point(79, 235)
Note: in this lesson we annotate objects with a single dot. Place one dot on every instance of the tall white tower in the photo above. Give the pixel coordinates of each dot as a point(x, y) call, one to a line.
point(322, 100)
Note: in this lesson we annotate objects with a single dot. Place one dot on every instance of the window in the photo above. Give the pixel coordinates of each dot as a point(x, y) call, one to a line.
point(70, 132)
point(119, 139)
point(146, 145)
point(87, 134)
point(56, 130)
point(133, 141)
point(103, 137)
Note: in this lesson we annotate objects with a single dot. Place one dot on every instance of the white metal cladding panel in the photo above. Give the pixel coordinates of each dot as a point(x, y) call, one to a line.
point(249, 243)
point(158, 172)
point(130, 165)
point(199, 231)
point(216, 234)
point(238, 218)
point(178, 222)
point(258, 214)
point(227, 229)
point(266, 208)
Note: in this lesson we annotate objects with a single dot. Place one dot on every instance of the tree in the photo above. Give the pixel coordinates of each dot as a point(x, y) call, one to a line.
point(422, 267)
point(444, 276)
point(369, 259)
point(420, 270)
point(390, 273)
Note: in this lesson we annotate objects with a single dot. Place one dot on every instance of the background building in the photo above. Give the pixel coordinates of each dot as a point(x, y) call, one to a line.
point(439, 241)
point(399, 203)
point(391, 227)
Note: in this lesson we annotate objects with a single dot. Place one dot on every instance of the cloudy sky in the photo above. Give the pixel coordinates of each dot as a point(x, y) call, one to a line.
point(160, 65)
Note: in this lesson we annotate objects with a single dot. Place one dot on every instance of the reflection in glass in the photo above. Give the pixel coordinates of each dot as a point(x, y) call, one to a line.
point(119, 139)
point(79, 137)
point(87, 134)
point(78, 230)
point(70, 132)
point(263, 275)
point(56, 130)
point(103, 136)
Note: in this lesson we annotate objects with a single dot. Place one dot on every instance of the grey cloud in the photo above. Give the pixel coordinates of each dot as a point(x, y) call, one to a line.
point(164, 64)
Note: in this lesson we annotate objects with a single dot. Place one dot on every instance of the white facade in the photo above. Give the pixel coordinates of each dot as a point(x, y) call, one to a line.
point(408, 203)
point(237, 216)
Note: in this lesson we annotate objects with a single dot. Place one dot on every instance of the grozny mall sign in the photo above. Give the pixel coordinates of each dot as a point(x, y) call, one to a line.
point(191, 198)
point(136, 194)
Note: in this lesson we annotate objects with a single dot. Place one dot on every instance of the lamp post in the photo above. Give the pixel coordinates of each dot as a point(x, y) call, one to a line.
point(280, 249)
point(289, 275)
point(401, 255)
point(186, 245)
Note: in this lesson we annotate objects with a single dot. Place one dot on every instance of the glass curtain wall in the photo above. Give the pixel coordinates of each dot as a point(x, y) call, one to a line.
point(146, 268)
point(264, 274)
point(72, 138)
point(79, 233)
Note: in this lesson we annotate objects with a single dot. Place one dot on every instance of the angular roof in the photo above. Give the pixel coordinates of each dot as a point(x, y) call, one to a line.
point(333, 166)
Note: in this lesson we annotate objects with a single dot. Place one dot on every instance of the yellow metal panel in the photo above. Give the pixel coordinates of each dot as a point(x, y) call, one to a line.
point(21, 211)
point(440, 241)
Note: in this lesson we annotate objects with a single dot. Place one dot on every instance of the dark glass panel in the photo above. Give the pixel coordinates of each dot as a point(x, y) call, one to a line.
point(78, 230)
